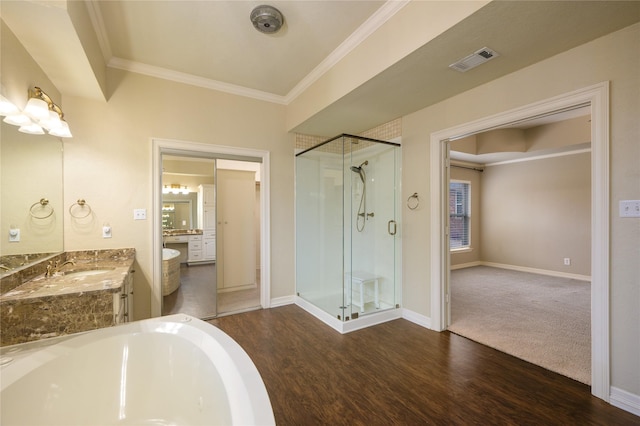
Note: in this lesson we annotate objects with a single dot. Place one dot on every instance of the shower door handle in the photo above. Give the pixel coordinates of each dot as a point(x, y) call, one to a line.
point(389, 227)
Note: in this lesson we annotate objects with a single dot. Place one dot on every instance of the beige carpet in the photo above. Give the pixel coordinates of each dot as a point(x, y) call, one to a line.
point(541, 319)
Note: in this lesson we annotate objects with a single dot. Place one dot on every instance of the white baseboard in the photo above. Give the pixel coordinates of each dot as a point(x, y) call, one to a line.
point(416, 318)
point(344, 327)
point(282, 301)
point(466, 265)
point(524, 269)
point(625, 400)
point(238, 288)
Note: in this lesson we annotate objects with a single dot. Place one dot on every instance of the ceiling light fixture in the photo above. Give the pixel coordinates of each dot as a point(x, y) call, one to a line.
point(175, 189)
point(39, 113)
point(266, 19)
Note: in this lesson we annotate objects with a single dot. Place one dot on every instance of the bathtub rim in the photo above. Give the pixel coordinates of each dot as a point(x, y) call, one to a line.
point(172, 254)
point(246, 381)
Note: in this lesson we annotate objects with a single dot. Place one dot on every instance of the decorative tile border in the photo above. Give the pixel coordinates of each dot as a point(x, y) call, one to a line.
point(385, 132)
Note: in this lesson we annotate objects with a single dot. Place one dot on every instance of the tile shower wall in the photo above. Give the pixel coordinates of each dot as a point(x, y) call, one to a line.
point(386, 132)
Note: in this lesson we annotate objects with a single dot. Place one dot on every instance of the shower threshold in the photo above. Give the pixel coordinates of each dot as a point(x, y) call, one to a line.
point(365, 320)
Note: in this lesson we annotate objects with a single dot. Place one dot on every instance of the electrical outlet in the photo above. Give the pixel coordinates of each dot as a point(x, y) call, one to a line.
point(567, 261)
point(139, 214)
point(14, 235)
point(629, 208)
point(106, 231)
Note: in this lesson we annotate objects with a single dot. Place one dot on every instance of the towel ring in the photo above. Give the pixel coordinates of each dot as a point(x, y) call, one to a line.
point(81, 203)
point(43, 203)
point(413, 201)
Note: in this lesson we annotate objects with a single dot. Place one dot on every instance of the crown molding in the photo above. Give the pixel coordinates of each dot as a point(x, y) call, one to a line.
point(98, 26)
point(375, 21)
point(193, 80)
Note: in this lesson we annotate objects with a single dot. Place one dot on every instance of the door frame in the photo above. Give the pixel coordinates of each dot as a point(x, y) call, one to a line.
point(197, 149)
point(597, 97)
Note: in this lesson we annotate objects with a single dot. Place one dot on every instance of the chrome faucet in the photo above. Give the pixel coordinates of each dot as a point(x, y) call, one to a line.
point(52, 267)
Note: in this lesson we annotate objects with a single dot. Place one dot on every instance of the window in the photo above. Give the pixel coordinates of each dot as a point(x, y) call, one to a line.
point(459, 214)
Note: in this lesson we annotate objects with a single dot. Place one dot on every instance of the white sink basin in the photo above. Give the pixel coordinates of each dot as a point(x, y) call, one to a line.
point(87, 272)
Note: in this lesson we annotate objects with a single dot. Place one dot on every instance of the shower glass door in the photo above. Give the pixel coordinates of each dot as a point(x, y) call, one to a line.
point(372, 239)
point(347, 235)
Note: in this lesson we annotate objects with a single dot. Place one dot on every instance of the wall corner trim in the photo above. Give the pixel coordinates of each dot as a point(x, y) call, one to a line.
point(416, 318)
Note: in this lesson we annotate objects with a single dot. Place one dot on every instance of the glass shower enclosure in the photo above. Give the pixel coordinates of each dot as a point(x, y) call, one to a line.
point(347, 226)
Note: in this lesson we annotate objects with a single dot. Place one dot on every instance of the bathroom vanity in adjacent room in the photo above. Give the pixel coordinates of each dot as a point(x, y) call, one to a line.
point(195, 245)
point(67, 293)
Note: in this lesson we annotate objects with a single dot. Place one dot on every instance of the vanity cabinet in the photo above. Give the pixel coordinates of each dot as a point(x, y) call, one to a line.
point(209, 245)
point(207, 220)
point(123, 301)
point(194, 248)
point(95, 291)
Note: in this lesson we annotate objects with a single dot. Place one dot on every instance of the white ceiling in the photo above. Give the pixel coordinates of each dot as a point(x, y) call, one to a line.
point(214, 44)
point(216, 40)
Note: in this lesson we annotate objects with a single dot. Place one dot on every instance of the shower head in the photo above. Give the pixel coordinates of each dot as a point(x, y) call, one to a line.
point(359, 170)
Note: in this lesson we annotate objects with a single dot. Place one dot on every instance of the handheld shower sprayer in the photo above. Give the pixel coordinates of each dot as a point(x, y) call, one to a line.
point(359, 170)
point(362, 210)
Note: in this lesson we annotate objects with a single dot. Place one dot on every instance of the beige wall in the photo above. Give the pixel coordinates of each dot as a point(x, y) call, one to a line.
point(535, 213)
point(108, 162)
point(618, 62)
point(536, 190)
point(531, 214)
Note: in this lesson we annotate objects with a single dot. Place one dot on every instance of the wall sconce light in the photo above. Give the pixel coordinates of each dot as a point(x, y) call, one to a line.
point(40, 113)
point(6, 107)
point(175, 188)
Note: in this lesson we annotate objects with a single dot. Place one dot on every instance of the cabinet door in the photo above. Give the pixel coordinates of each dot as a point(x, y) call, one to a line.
point(209, 218)
point(129, 290)
point(210, 248)
point(208, 195)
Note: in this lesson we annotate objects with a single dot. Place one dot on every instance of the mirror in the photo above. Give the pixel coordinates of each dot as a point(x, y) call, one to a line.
point(30, 170)
point(179, 211)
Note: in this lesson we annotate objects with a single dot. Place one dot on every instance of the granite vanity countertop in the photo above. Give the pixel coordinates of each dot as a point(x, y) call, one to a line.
point(172, 232)
point(102, 270)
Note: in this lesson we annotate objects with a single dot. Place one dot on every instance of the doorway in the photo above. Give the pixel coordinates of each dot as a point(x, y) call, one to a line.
point(218, 153)
point(211, 217)
point(597, 98)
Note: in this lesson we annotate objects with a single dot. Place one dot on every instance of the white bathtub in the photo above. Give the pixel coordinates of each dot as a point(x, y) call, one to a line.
point(170, 370)
point(170, 271)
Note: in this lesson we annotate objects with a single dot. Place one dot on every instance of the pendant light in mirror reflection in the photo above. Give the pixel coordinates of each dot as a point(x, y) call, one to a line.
point(40, 114)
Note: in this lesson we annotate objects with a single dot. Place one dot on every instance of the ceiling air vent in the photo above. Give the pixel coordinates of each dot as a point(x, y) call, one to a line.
point(476, 58)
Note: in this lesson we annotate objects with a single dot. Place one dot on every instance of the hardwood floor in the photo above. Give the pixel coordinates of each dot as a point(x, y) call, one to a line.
point(399, 373)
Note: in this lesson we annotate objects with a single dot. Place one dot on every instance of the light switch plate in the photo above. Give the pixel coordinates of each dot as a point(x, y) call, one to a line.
point(629, 208)
point(139, 214)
